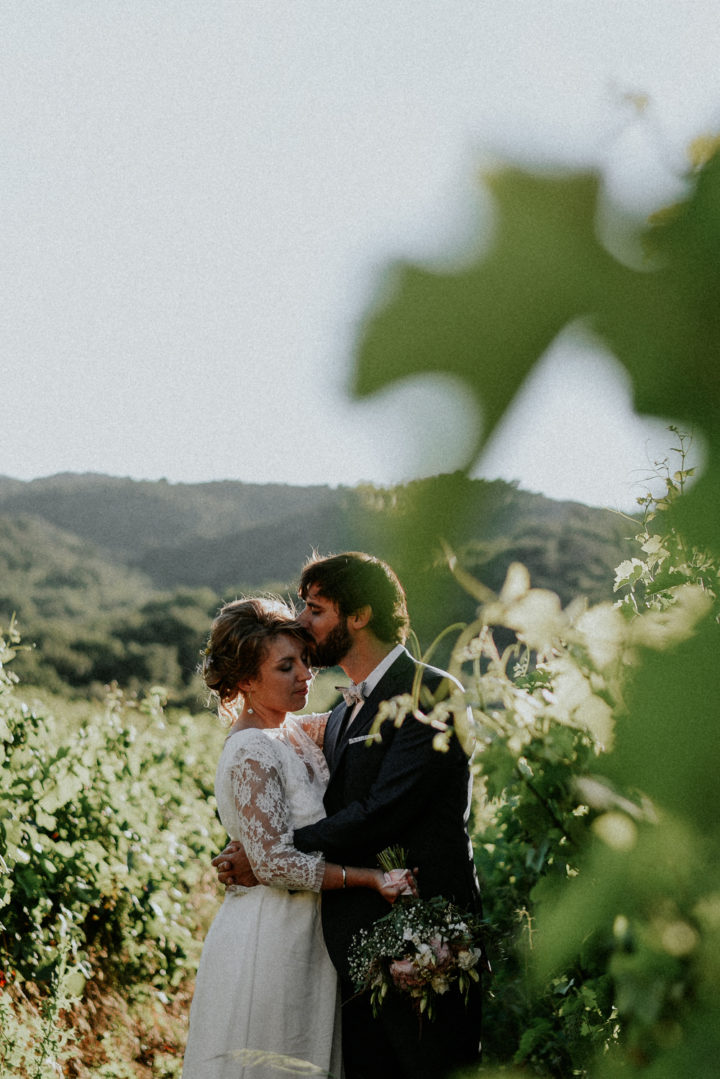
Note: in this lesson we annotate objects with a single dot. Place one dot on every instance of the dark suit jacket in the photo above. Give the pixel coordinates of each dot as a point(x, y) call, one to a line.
point(396, 791)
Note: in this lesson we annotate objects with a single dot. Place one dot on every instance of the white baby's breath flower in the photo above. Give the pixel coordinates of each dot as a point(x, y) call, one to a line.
point(517, 742)
point(413, 950)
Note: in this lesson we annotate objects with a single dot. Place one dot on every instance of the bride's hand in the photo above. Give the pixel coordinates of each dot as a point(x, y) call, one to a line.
point(390, 889)
point(232, 865)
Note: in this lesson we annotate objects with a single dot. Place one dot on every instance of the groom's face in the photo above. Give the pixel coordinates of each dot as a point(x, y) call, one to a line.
point(327, 627)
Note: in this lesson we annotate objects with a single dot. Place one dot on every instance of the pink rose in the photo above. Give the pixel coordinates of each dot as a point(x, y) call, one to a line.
point(405, 974)
point(442, 952)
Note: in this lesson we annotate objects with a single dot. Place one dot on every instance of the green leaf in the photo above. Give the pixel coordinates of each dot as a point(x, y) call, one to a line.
point(488, 324)
point(667, 742)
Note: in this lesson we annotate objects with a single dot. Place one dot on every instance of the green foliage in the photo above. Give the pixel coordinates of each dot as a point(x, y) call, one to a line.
point(595, 931)
point(541, 725)
point(568, 547)
point(107, 826)
point(668, 559)
point(488, 323)
point(90, 622)
point(599, 839)
point(34, 1044)
point(99, 826)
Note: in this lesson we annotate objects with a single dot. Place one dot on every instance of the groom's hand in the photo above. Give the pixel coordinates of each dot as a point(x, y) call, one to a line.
point(232, 866)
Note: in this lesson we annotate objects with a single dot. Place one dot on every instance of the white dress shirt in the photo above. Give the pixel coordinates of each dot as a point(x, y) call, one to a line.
point(374, 677)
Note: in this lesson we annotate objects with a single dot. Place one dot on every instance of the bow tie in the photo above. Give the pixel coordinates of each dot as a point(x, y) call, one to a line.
point(353, 694)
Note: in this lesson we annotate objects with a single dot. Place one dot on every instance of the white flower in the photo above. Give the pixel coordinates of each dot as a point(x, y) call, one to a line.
point(603, 629)
point(517, 583)
point(570, 689)
point(469, 958)
point(576, 704)
point(425, 956)
point(660, 629)
point(616, 830)
point(536, 616)
point(628, 572)
point(596, 717)
point(653, 545)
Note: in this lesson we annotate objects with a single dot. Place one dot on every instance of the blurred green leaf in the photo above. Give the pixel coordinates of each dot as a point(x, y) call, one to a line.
point(489, 323)
point(667, 742)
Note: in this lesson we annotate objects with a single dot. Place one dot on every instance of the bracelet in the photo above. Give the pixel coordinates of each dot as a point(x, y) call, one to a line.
point(344, 883)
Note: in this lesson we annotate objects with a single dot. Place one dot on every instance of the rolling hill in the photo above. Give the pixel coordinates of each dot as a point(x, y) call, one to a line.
point(113, 578)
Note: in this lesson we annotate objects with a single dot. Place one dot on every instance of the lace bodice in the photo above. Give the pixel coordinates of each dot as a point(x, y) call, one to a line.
point(269, 782)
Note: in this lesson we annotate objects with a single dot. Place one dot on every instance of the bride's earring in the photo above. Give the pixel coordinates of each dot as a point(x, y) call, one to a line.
point(248, 702)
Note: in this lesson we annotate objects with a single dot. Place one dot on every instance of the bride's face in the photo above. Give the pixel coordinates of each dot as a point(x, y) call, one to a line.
point(283, 679)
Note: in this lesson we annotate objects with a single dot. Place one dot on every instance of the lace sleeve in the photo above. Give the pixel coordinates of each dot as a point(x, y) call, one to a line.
point(265, 828)
point(314, 725)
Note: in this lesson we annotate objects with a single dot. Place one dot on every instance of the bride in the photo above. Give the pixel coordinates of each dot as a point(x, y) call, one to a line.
point(265, 988)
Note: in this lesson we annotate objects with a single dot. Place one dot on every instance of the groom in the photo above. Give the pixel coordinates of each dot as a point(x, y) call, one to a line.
point(396, 791)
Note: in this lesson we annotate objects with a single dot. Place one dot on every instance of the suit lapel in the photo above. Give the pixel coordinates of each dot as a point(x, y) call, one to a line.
point(332, 731)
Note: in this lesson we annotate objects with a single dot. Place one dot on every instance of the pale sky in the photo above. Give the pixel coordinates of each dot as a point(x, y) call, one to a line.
point(198, 197)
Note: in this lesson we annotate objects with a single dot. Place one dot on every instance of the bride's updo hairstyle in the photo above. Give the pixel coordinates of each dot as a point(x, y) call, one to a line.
point(239, 639)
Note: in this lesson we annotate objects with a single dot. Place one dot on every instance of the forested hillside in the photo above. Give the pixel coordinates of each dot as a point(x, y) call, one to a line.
point(129, 517)
point(116, 580)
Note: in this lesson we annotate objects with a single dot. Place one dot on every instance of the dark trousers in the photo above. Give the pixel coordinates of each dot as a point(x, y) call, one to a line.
point(400, 1045)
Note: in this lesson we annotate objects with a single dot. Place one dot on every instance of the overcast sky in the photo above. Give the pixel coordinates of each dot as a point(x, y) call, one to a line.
point(198, 196)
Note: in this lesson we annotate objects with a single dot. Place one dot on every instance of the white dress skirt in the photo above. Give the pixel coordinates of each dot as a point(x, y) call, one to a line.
point(265, 989)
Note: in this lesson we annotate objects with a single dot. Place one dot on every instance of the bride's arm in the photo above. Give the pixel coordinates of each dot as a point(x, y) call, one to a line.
point(264, 826)
point(355, 876)
point(266, 835)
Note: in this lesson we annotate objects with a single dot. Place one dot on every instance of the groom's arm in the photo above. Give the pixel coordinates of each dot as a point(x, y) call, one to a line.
point(411, 772)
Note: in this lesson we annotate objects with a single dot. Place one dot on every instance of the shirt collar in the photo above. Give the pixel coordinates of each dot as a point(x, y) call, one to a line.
point(384, 665)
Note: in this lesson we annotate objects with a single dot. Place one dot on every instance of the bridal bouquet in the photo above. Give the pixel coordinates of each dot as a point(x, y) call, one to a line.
point(421, 948)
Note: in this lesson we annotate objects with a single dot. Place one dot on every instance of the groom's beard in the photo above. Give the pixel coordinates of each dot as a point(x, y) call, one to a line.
point(336, 645)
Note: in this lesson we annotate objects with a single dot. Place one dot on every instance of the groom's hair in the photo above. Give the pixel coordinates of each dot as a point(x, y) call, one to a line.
point(353, 580)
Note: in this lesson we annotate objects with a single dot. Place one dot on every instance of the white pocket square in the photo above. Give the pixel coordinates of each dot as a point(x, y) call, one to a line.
point(362, 738)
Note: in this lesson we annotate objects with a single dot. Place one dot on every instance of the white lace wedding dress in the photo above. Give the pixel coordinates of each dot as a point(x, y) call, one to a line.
point(265, 987)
